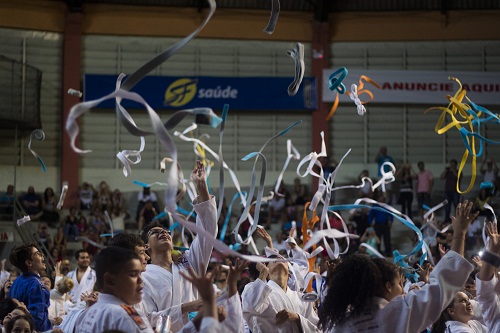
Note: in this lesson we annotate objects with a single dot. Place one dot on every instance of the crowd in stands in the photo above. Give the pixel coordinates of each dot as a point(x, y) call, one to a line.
point(101, 287)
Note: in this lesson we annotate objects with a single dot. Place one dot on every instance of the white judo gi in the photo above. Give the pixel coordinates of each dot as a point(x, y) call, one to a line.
point(262, 301)
point(234, 319)
point(164, 292)
point(86, 285)
point(418, 309)
point(109, 313)
point(473, 326)
point(489, 301)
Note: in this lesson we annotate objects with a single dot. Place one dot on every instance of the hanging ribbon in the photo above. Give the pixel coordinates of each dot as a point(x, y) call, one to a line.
point(273, 19)
point(38, 135)
point(292, 153)
point(297, 54)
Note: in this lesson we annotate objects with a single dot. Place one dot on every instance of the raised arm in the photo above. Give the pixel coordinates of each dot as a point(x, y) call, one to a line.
point(460, 224)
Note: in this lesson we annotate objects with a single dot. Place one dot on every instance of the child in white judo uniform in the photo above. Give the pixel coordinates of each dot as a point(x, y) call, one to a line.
point(164, 287)
point(119, 281)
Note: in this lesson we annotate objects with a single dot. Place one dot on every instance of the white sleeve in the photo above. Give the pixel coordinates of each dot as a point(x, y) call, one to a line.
point(234, 319)
point(211, 325)
point(255, 299)
point(489, 301)
point(423, 307)
point(176, 317)
point(309, 319)
point(200, 250)
point(188, 328)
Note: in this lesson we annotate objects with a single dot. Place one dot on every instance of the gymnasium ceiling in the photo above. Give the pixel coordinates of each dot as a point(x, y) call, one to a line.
point(320, 7)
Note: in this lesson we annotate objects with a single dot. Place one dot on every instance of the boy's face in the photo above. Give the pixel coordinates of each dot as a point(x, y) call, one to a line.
point(127, 283)
point(141, 252)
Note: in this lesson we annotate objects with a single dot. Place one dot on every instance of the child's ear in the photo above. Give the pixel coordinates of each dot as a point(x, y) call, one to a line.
point(109, 279)
point(388, 286)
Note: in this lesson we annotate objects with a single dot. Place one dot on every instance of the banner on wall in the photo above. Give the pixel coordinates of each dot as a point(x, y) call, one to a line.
point(419, 87)
point(250, 93)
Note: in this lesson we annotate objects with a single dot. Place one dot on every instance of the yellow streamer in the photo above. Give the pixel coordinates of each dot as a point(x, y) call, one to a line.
point(456, 106)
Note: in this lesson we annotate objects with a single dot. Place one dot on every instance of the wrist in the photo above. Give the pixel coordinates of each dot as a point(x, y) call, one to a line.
point(491, 258)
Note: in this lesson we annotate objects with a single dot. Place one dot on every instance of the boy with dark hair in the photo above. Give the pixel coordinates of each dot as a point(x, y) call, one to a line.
point(28, 288)
point(118, 273)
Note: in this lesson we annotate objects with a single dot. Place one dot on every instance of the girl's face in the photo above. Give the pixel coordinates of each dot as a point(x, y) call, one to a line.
point(462, 309)
point(14, 313)
point(21, 326)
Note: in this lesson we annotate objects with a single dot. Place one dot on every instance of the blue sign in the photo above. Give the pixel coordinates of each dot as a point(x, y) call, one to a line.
point(250, 93)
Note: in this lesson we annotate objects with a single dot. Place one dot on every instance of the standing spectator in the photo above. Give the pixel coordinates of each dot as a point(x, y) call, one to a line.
point(425, 182)
point(28, 288)
point(31, 204)
point(49, 207)
point(147, 214)
point(489, 170)
point(143, 197)
point(7, 203)
point(117, 201)
point(82, 225)
point(450, 175)
point(382, 223)
point(104, 201)
point(405, 175)
point(70, 222)
point(86, 196)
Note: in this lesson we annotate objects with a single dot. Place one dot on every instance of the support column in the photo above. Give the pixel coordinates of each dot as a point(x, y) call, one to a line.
point(320, 48)
point(71, 79)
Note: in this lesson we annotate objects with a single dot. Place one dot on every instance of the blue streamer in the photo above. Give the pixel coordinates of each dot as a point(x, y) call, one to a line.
point(335, 83)
point(228, 216)
point(136, 182)
point(407, 223)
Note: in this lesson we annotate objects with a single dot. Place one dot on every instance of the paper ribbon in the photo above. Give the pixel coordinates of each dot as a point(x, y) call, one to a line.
point(297, 54)
point(257, 154)
point(74, 92)
point(354, 96)
point(292, 153)
point(273, 19)
point(23, 220)
point(430, 211)
point(372, 249)
point(64, 190)
point(335, 83)
point(470, 116)
point(38, 135)
point(110, 222)
point(225, 110)
point(86, 239)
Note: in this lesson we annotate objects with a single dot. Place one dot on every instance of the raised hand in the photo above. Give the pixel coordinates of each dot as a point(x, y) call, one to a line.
point(424, 273)
point(265, 236)
point(199, 174)
point(263, 270)
point(235, 275)
point(285, 315)
point(463, 217)
point(494, 242)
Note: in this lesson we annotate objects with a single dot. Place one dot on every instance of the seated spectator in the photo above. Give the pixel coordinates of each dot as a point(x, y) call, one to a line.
point(96, 221)
point(147, 214)
point(49, 206)
point(143, 197)
point(32, 204)
point(82, 225)
point(61, 242)
point(70, 225)
point(7, 203)
point(117, 201)
point(104, 201)
point(86, 196)
point(277, 205)
point(44, 239)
